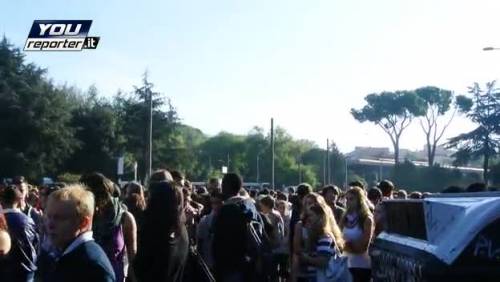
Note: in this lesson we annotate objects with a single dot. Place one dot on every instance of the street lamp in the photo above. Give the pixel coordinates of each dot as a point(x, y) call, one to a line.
point(490, 48)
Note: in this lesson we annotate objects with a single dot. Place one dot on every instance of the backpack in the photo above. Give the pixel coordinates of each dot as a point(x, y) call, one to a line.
point(258, 250)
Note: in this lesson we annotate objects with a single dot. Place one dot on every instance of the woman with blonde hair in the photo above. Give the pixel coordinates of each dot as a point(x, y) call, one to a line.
point(303, 242)
point(357, 228)
point(322, 238)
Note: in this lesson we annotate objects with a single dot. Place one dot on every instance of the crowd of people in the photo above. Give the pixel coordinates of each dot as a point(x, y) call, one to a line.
point(95, 230)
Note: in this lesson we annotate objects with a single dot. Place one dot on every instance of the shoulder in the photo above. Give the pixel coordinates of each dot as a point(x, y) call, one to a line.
point(87, 262)
point(369, 222)
point(5, 242)
point(128, 219)
point(93, 255)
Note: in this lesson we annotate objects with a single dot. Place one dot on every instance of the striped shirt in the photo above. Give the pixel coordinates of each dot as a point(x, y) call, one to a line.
point(325, 247)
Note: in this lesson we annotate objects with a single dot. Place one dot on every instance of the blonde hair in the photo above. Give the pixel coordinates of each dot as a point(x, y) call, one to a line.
point(363, 210)
point(329, 224)
point(79, 196)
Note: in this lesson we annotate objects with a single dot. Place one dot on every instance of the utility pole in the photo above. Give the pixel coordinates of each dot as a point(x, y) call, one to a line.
point(328, 161)
point(346, 174)
point(324, 171)
point(272, 153)
point(150, 131)
point(300, 168)
point(258, 169)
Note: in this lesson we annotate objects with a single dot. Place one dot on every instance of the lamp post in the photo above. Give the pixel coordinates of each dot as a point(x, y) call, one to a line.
point(258, 168)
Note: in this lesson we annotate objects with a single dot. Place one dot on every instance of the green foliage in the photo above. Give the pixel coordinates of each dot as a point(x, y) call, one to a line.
point(483, 141)
point(436, 103)
point(34, 118)
point(391, 111)
point(68, 178)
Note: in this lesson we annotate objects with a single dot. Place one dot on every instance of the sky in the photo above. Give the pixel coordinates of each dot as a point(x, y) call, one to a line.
point(230, 65)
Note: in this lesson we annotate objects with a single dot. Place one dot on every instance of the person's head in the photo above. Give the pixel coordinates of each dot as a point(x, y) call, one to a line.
point(45, 193)
point(453, 189)
point(102, 188)
point(161, 175)
point(311, 199)
point(216, 201)
point(178, 177)
point(291, 190)
point(321, 222)
point(165, 209)
point(282, 207)
point(330, 193)
point(213, 185)
point(375, 196)
point(11, 197)
point(401, 194)
point(267, 203)
point(281, 196)
point(21, 184)
point(134, 188)
point(243, 193)
point(231, 185)
point(477, 187)
point(253, 194)
point(357, 183)
point(386, 187)
point(264, 191)
point(303, 189)
point(33, 198)
point(357, 202)
point(415, 195)
point(135, 203)
point(69, 214)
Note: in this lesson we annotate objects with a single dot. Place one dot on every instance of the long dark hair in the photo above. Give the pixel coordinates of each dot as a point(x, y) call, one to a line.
point(163, 222)
point(102, 188)
point(165, 211)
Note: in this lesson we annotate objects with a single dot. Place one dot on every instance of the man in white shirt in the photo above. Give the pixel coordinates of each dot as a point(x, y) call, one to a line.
point(69, 216)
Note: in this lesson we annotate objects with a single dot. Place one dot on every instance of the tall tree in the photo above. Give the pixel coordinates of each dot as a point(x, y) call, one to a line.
point(133, 111)
point(391, 111)
point(484, 110)
point(34, 118)
point(99, 134)
point(437, 103)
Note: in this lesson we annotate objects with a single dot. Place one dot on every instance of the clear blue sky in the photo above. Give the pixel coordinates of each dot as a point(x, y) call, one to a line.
point(230, 65)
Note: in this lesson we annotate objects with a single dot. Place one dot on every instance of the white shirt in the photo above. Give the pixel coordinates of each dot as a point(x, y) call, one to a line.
point(356, 260)
point(11, 211)
point(83, 238)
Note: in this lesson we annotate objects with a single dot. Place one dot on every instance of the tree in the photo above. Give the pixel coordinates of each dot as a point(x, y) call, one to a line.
point(133, 110)
point(437, 103)
point(100, 136)
point(34, 118)
point(391, 111)
point(484, 110)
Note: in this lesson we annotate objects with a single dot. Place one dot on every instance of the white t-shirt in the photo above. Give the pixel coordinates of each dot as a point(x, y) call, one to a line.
point(356, 260)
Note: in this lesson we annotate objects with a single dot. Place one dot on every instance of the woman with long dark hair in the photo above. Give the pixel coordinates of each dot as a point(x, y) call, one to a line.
point(114, 227)
point(163, 242)
point(357, 227)
point(135, 201)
